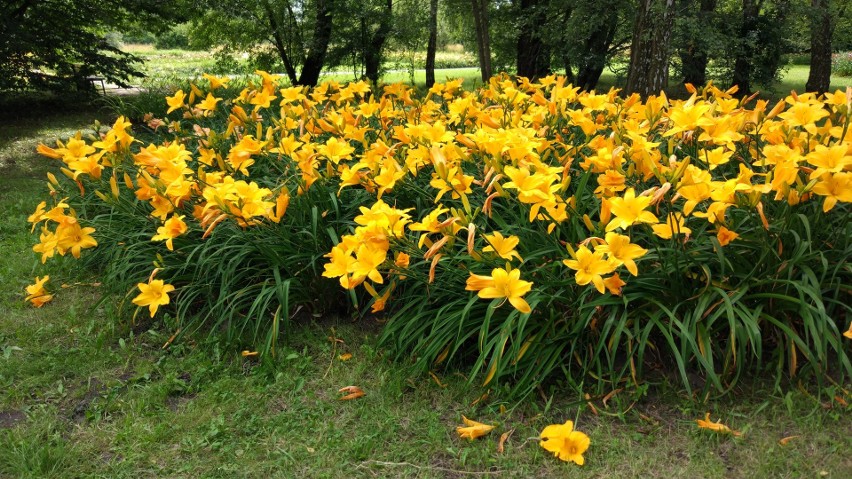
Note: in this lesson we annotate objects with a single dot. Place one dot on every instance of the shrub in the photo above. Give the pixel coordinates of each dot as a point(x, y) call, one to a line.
point(526, 231)
point(798, 59)
point(176, 38)
point(841, 64)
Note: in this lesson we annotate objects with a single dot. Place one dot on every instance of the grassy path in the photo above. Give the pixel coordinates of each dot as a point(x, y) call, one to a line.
point(84, 393)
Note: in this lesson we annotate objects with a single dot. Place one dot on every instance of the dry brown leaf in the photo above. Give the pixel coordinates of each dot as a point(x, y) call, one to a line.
point(437, 381)
point(610, 395)
point(481, 398)
point(503, 438)
point(787, 439)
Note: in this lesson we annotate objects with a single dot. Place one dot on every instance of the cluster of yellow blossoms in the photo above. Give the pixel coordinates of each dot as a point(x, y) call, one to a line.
point(511, 146)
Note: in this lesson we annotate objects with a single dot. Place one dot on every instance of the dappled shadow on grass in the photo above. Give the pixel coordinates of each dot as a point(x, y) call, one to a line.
point(28, 120)
point(198, 408)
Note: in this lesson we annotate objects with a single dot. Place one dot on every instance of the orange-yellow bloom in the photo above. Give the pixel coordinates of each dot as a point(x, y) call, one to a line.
point(153, 294)
point(836, 187)
point(619, 248)
point(503, 247)
point(675, 225)
point(171, 229)
point(216, 82)
point(706, 423)
point(37, 295)
point(848, 332)
point(209, 103)
point(630, 210)
point(590, 267)
point(565, 443)
point(473, 429)
point(502, 284)
point(614, 284)
point(175, 101)
point(725, 236)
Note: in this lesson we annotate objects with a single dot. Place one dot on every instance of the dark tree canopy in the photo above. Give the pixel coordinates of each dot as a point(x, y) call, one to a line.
point(54, 43)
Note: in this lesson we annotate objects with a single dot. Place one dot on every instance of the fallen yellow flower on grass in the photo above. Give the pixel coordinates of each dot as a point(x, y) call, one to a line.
point(848, 332)
point(37, 295)
point(706, 423)
point(565, 443)
point(473, 429)
point(354, 392)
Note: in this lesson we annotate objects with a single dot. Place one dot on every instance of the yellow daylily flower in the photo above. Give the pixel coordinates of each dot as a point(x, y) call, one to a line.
point(37, 295)
point(565, 443)
point(502, 284)
point(171, 229)
point(630, 210)
point(472, 429)
point(209, 103)
point(216, 82)
point(175, 101)
point(503, 247)
point(153, 294)
point(590, 267)
point(706, 423)
point(725, 236)
point(675, 225)
point(619, 248)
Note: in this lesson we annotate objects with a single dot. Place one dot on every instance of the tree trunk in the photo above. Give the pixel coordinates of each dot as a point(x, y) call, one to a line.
point(319, 44)
point(649, 50)
point(373, 50)
point(822, 28)
point(533, 60)
point(742, 64)
point(483, 39)
point(569, 73)
point(278, 41)
point(694, 58)
point(432, 46)
point(597, 48)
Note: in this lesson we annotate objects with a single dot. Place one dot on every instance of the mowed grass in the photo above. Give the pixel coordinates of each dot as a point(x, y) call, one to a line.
point(85, 391)
point(190, 64)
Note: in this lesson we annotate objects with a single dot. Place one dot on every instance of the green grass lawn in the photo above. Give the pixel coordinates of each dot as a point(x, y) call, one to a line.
point(189, 64)
point(87, 392)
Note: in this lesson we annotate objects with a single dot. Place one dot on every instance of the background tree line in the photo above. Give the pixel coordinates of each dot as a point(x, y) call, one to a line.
point(737, 42)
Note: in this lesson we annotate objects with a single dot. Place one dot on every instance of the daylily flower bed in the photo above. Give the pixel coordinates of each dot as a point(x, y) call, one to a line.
point(520, 230)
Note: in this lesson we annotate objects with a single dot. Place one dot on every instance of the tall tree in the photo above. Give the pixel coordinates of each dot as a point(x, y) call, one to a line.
point(585, 35)
point(596, 47)
point(315, 58)
point(432, 46)
point(54, 43)
point(694, 50)
point(483, 37)
point(374, 41)
point(278, 39)
point(649, 51)
point(761, 40)
point(533, 55)
point(822, 29)
point(743, 62)
point(299, 31)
